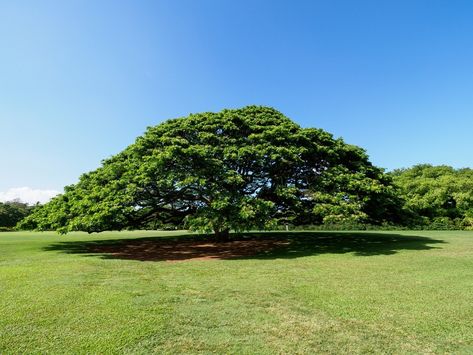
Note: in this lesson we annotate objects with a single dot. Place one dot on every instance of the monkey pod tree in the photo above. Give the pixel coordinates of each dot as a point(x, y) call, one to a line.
point(240, 169)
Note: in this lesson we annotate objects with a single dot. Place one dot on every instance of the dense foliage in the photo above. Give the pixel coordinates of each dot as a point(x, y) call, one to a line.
point(438, 197)
point(235, 169)
point(12, 212)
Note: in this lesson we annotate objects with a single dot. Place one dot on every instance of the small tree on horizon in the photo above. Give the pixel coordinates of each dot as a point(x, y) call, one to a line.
point(239, 169)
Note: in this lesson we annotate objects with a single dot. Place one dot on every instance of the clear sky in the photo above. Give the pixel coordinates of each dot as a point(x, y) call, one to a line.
point(81, 79)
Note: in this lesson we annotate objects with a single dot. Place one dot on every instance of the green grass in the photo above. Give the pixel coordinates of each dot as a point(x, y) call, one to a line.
point(382, 292)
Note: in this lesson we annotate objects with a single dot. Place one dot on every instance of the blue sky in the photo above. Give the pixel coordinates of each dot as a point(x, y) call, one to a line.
point(81, 79)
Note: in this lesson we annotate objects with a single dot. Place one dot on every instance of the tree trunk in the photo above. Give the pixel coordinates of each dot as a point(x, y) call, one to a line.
point(222, 235)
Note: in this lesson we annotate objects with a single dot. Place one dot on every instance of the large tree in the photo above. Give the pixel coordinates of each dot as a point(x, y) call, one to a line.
point(235, 169)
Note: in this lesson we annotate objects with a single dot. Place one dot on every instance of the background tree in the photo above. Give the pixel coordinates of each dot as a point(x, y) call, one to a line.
point(12, 212)
point(235, 169)
point(439, 193)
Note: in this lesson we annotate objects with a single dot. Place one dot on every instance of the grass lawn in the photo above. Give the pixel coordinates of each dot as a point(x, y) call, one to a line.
point(389, 292)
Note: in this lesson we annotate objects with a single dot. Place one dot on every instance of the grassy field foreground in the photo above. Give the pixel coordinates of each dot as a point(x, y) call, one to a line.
point(357, 292)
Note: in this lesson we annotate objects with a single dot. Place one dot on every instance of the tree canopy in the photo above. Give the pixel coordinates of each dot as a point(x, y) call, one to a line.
point(240, 169)
point(436, 192)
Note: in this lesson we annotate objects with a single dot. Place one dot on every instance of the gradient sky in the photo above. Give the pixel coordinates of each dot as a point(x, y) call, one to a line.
point(81, 79)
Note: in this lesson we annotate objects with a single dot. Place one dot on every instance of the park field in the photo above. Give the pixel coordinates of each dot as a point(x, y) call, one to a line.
point(265, 293)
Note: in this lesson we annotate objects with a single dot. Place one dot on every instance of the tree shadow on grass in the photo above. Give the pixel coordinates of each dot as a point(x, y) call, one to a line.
point(264, 245)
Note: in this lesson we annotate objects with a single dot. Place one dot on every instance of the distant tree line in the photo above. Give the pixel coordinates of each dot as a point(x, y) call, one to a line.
point(436, 197)
point(12, 212)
